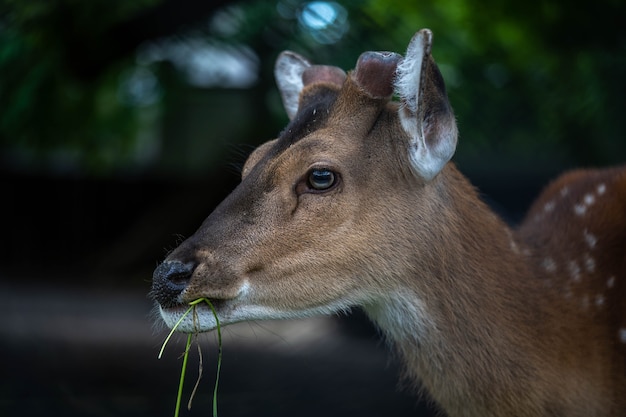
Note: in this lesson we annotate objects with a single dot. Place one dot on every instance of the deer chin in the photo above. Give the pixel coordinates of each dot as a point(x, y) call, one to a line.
point(197, 320)
point(242, 308)
point(202, 319)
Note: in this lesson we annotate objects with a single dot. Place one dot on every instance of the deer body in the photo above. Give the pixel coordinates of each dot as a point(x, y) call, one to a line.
point(356, 204)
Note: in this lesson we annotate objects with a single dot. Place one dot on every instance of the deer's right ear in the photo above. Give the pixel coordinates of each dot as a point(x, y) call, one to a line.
point(425, 113)
point(288, 73)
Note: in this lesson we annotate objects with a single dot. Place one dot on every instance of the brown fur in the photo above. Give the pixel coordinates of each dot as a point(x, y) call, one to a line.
point(490, 321)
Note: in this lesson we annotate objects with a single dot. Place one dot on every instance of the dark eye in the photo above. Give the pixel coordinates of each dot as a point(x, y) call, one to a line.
point(321, 179)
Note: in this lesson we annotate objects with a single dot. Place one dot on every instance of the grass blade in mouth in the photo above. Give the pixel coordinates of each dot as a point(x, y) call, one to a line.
point(219, 354)
point(192, 306)
point(179, 396)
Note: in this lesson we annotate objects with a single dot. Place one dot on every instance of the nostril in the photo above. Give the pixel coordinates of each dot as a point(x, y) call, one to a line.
point(169, 280)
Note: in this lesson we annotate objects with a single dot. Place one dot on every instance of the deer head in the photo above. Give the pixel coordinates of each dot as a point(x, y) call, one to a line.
point(306, 231)
point(355, 204)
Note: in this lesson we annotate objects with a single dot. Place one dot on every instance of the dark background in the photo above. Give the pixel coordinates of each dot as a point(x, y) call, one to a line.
point(122, 125)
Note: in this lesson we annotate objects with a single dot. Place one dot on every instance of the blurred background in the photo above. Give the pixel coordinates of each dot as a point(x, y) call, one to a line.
point(122, 124)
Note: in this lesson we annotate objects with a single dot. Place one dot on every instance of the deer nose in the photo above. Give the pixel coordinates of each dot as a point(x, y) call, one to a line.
point(169, 280)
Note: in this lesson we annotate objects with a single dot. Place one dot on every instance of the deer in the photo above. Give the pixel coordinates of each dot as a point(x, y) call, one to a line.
point(357, 203)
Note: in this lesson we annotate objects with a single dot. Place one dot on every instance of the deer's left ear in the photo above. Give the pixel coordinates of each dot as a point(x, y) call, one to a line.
point(288, 73)
point(425, 113)
point(293, 73)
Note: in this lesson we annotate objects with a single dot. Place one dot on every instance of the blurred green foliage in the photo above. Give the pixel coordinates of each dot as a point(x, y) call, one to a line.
point(539, 83)
point(536, 80)
point(49, 111)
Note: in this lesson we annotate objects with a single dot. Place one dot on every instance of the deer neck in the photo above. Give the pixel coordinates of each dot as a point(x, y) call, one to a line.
point(464, 304)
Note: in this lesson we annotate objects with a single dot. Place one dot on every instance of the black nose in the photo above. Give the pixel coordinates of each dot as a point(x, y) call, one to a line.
point(169, 280)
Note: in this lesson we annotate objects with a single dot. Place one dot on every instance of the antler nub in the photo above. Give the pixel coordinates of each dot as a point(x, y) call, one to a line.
point(323, 74)
point(375, 72)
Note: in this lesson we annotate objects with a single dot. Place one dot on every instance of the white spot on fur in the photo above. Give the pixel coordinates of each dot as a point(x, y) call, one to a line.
point(549, 264)
point(590, 239)
point(580, 209)
point(590, 263)
point(549, 206)
point(601, 188)
point(564, 191)
point(574, 270)
point(622, 335)
point(610, 283)
point(514, 247)
point(600, 300)
point(244, 290)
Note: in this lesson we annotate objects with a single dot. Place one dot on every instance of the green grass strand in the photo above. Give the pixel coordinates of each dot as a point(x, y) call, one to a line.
point(169, 336)
point(219, 356)
point(183, 371)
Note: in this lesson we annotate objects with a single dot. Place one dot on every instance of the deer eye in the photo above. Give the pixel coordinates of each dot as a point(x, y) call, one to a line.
point(321, 179)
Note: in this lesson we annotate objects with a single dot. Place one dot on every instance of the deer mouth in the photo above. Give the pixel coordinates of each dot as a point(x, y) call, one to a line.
point(202, 315)
point(186, 307)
